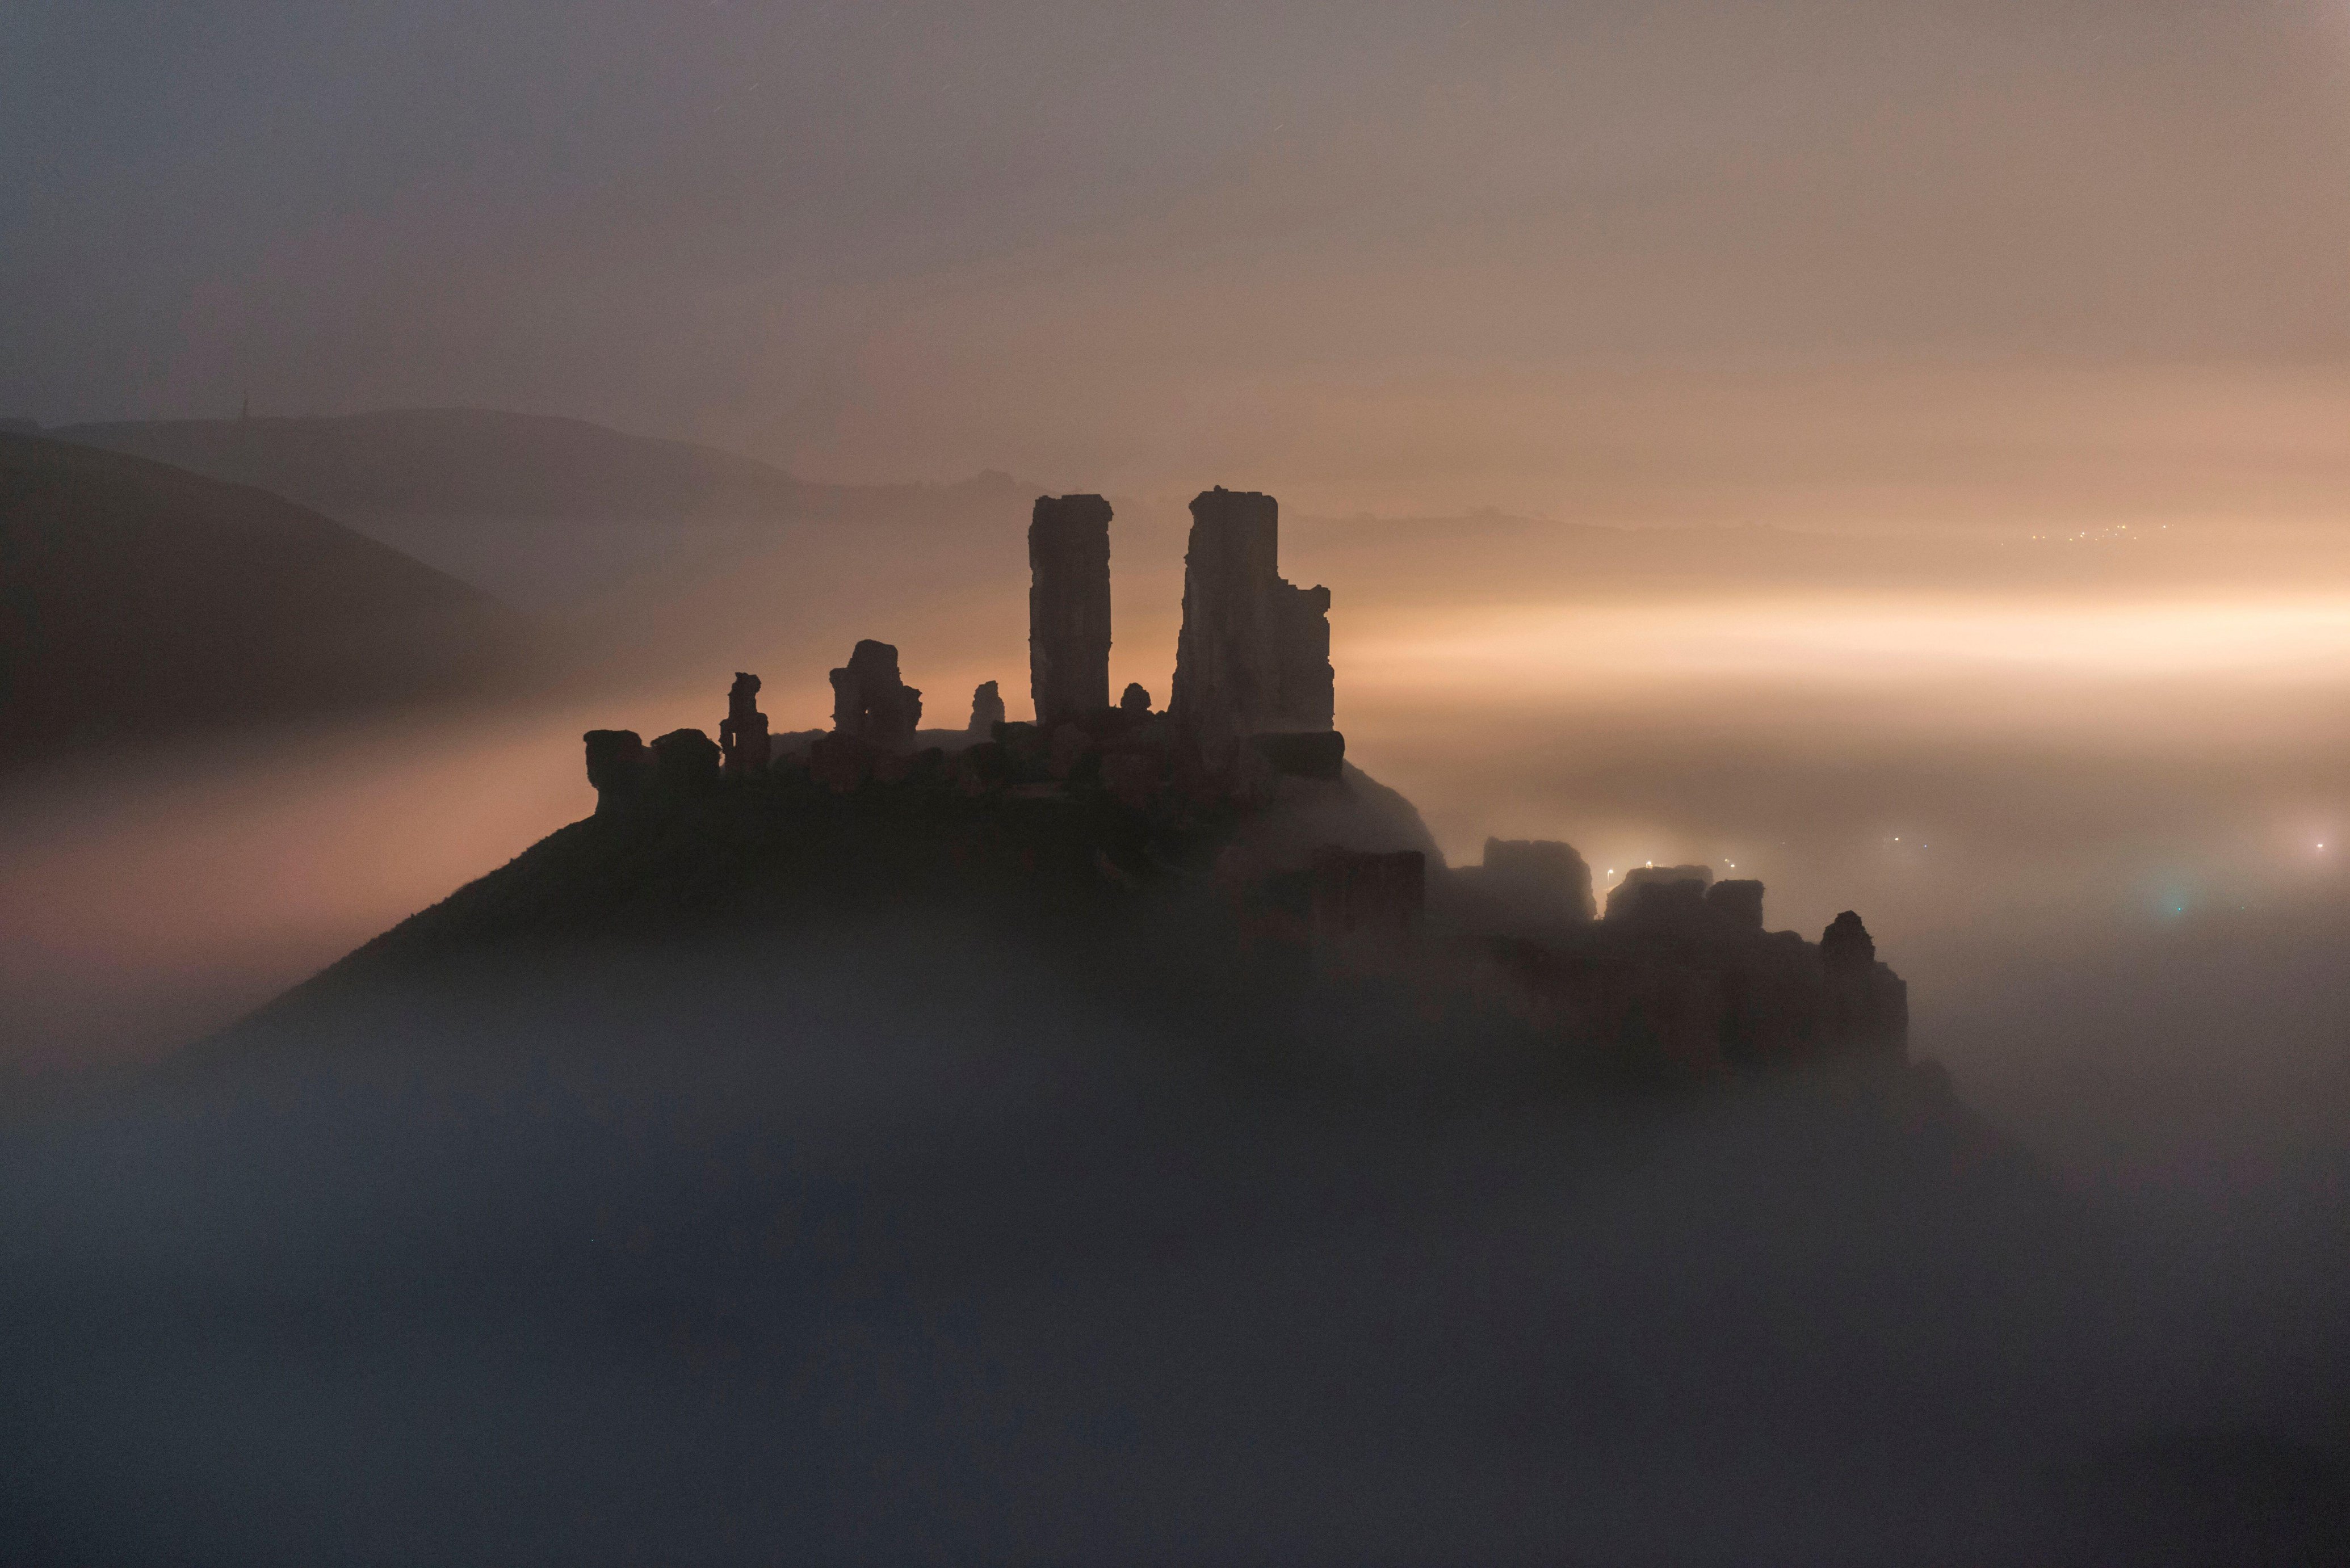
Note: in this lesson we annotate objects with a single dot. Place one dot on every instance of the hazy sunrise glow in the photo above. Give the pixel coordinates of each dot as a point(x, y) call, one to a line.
point(1511, 652)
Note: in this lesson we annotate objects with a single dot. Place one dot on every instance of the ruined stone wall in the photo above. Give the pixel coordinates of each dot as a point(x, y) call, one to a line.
point(1682, 973)
point(1868, 1004)
point(1306, 690)
point(1255, 653)
point(986, 709)
point(870, 703)
point(743, 739)
point(1539, 876)
point(1681, 976)
point(1068, 606)
point(618, 766)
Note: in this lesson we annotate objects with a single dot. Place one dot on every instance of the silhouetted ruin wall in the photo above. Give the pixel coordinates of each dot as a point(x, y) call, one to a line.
point(743, 738)
point(1254, 651)
point(1068, 606)
point(986, 709)
point(617, 767)
point(1868, 1004)
point(1659, 896)
point(1541, 874)
point(870, 703)
point(1679, 978)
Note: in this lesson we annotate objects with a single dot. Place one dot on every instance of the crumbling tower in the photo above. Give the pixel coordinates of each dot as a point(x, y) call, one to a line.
point(743, 738)
point(986, 709)
point(871, 703)
point(1068, 606)
point(1255, 654)
point(1868, 1005)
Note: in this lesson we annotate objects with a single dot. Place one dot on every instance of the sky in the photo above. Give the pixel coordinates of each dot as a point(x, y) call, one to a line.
point(1862, 264)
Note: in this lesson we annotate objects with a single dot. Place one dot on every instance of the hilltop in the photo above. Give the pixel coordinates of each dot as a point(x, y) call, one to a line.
point(1214, 853)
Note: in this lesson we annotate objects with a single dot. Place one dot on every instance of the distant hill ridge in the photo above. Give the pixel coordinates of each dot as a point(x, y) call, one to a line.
point(138, 601)
point(487, 463)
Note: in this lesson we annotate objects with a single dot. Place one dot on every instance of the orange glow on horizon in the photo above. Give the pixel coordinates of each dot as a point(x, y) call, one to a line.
point(1844, 642)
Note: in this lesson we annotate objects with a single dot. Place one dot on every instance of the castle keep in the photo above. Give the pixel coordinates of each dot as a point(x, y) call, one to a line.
point(1255, 655)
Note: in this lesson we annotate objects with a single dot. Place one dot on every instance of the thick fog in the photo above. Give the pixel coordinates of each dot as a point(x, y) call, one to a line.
point(1896, 453)
point(2077, 760)
point(914, 1243)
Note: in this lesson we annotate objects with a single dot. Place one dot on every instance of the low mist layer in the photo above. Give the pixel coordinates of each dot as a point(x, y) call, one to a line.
point(1895, 454)
point(722, 1253)
point(2074, 753)
point(907, 1244)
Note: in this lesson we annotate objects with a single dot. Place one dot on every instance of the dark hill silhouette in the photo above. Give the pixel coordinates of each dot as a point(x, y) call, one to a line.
point(138, 601)
point(558, 513)
point(469, 461)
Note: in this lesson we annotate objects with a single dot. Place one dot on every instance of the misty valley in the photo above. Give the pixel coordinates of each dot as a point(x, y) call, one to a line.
point(1550, 782)
point(447, 1125)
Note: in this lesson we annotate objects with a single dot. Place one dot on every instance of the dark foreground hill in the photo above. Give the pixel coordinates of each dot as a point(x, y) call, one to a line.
point(140, 601)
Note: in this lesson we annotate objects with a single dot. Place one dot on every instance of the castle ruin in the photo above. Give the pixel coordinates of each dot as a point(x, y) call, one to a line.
point(1246, 767)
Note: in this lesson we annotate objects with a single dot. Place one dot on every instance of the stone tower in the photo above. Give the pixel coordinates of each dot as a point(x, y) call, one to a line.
point(743, 739)
point(1068, 606)
point(870, 703)
point(1255, 654)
